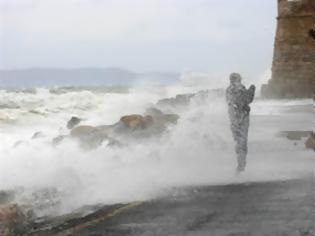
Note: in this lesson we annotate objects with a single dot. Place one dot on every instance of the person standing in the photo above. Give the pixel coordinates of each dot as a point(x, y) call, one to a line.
point(238, 99)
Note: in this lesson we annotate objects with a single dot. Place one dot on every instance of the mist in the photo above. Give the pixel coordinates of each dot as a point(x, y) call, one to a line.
point(106, 104)
point(199, 150)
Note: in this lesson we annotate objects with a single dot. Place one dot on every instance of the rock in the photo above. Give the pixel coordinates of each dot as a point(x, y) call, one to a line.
point(74, 121)
point(310, 142)
point(12, 220)
point(135, 127)
point(90, 136)
point(107, 129)
point(204, 95)
point(179, 101)
point(154, 112)
point(114, 143)
point(170, 118)
point(38, 134)
point(130, 127)
point(82, 131)
point(160, 118)
point(295, 135)
point(20, 143)
point(183, 100)
point(136, 121)
point(57, 140)
point(148, 121)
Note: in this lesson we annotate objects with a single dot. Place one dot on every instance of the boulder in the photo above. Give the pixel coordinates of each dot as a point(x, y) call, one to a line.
point(129, 127)
point(183, 100)
point(114, 143)
point(170, 118)
point(82, 130)
point(90, 136)
point(154, 112)
point(74, 121)
point(12, 220)
point(148, 121)
point(136, 121)
point(161, 118)
point(20, 143)
point(38, 134)
point(310, 142)
point(295, 135)
point(57, 140)
point(179, 101)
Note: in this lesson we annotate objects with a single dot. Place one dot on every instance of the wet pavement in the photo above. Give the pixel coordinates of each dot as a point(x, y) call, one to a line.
point(265, 208)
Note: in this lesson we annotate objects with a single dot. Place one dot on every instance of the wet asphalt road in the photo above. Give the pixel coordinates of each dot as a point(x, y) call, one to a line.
point(271, 208)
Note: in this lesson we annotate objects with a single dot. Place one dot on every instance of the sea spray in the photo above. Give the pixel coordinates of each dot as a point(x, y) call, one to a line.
point(199, 150)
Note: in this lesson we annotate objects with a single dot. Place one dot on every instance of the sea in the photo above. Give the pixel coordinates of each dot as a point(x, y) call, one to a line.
point(197, 151)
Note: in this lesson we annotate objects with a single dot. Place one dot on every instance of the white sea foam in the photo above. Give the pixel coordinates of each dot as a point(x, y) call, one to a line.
point(199, 150)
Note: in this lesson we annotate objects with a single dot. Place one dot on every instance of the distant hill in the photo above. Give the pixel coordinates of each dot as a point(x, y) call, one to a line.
point(28, 78)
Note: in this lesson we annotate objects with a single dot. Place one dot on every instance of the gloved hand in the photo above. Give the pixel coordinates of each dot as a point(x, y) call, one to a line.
point(252, 87)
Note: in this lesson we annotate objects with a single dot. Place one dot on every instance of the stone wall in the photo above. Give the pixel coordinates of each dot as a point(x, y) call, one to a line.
point(293, 68)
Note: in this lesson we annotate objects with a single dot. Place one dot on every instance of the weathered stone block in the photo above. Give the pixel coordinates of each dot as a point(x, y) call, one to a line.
point(293, 68)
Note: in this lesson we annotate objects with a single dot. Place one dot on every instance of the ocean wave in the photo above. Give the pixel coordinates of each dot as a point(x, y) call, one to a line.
point(98, 89)
point(198, 150)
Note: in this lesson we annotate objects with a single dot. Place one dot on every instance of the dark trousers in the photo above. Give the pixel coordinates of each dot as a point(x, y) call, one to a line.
point(239, 129)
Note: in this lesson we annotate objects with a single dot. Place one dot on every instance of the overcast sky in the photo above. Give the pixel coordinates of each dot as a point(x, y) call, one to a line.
point(140, 35)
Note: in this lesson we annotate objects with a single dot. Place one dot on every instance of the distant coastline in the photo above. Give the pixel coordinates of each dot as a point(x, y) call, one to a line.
point(50, 77)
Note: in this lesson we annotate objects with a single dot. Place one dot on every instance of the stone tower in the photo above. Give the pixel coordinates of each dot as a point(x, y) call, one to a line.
point(293, 68)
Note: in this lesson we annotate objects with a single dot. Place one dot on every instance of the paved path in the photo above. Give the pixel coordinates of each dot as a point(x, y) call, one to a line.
point(271, 208)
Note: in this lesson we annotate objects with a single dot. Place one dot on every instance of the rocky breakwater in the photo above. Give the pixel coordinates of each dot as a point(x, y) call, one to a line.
point(154, 122)
point(128, 129)
point(183, 100)
point(134, 127)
